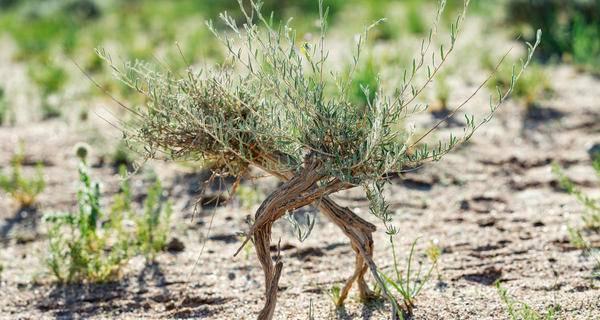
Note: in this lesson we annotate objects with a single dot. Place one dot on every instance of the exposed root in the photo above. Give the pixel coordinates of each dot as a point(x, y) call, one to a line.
point(360, 233)
point(300, 190)
point(291, 195)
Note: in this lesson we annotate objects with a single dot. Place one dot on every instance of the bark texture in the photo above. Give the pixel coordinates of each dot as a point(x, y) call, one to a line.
point(299, 190)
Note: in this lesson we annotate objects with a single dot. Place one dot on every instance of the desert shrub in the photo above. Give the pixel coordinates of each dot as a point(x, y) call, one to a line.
point(519, 310)
point(571, 28)
point(24, 190)
point(284, 108)
point(92, 245)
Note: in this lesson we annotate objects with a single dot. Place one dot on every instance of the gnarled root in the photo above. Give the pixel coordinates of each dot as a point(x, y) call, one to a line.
point(295, 193)
point(360, 233)
point(262, 240)
point(300, 190)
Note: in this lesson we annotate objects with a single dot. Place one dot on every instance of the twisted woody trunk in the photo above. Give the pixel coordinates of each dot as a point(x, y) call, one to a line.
point(301, 189)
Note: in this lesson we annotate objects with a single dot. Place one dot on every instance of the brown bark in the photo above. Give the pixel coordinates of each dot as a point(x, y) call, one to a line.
point(295, 193)
point(300, 190)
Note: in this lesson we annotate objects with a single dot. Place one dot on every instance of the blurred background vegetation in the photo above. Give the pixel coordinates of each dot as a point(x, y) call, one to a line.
point(47, 37)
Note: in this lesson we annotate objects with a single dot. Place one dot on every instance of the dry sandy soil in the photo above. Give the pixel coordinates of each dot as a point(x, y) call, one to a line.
point(493, 207)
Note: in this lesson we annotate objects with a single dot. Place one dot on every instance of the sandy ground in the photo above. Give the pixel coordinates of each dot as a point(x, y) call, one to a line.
point(493, 207)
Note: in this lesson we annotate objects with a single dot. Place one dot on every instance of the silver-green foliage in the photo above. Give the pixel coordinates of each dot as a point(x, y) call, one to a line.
point(275, 101)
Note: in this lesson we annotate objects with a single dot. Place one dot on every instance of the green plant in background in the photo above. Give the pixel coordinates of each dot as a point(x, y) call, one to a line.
point(152, 222)
point(519, 310)
point(532, 86)
point(48, 76)
point(591, 214)
point(415, 20)
point(122, 156)
point(51, 79)
point(249, 196)
point(409, 282)
point(86, 246)
point(586, 43)
point(4, 110)
point(152, 227)
point(50, 24)
point(22, 189)
point(365, 83)
point(442, 95)
point(571, 28)
point(91, 245)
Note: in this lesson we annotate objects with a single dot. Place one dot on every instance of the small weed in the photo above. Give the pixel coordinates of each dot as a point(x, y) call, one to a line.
point(576, 239)
point(249, 196)
point(410, 282)
point(22, 189)
point(303, 222)
point(92, 246)
point(334, 294)
point(442, 92)
point(48, 76)
point(519, 310)
point(152, 227)
point(4, 110)
point(531, 87)
point(365, 84)
point(591, 215)
point(122, 156)
point(433, 253)
point(51, 79)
